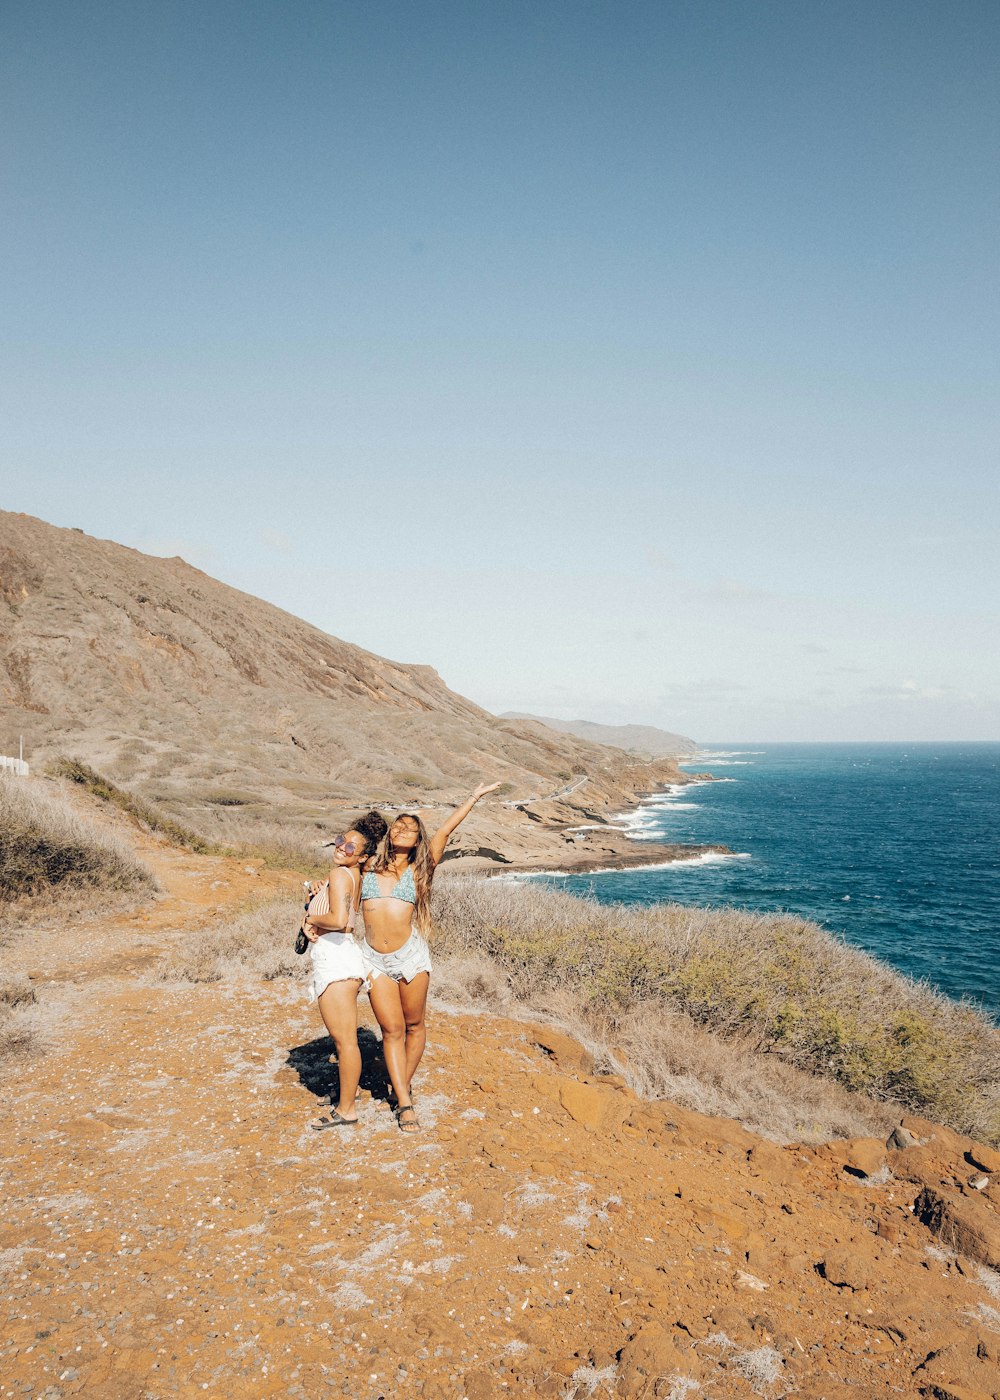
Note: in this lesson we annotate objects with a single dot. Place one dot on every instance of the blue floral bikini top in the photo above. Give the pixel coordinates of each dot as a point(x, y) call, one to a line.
point(403, 889)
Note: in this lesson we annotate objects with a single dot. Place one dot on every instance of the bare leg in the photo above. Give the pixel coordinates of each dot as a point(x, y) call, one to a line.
point(413, 998)
point(339, 1008)
point(387, 1005)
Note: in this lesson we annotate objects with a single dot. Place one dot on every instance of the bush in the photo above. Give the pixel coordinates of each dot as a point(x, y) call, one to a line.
point(46, 845)
point(775, 983)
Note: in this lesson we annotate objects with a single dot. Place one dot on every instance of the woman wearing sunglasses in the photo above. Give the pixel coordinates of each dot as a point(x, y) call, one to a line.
point(338, 969)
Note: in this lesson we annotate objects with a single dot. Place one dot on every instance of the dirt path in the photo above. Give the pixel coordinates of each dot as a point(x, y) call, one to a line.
point(171, 1226)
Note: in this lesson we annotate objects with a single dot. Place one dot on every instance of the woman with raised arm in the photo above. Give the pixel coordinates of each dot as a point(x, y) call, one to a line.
point(338, 967)
point(396, 900)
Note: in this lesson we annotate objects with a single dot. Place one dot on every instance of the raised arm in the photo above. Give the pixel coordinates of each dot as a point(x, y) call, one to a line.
point(440, 838)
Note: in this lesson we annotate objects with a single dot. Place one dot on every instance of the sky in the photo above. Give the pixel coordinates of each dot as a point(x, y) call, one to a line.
point(634, 362)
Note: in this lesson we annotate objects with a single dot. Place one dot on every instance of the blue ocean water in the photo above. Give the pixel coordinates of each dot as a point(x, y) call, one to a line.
point(894, 846)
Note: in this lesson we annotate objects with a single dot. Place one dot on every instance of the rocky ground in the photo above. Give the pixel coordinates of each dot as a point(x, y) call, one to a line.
point(171, 1226)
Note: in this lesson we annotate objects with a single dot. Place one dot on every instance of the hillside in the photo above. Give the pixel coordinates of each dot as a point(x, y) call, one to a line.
point(641, 740)
point(205, 699)
point(170, 1226)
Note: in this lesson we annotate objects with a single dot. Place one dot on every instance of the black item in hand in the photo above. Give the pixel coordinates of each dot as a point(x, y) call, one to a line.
point(301, 942)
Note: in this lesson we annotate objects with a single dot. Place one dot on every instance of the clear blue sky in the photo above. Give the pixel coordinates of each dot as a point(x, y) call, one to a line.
point(631, 361)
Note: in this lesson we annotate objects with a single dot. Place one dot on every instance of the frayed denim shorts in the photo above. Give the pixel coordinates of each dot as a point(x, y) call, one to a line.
point(403, 965)
point(336, 957)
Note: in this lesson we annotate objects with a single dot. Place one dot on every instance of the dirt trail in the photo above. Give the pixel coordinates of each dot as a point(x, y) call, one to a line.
point(172, 1227)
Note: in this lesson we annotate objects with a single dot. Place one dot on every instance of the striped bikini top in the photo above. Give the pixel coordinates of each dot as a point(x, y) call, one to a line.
point(403, 889)
point(320, 904)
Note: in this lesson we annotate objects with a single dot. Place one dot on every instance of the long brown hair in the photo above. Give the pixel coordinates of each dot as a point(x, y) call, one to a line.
point(423, 868)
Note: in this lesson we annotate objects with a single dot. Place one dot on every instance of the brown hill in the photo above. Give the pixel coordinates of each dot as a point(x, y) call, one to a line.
point(642, 740)
point(203, 698)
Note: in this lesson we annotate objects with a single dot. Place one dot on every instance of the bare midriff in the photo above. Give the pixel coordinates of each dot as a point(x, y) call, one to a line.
point(388, 923)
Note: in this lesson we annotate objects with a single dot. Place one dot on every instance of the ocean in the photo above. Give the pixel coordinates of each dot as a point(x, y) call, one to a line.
point(896, 847)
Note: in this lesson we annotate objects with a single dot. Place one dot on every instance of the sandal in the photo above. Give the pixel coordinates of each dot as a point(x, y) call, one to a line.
point(408, 1126)
point(333, 1119)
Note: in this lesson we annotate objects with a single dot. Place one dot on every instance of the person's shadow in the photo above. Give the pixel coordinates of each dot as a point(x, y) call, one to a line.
point(312, 1063)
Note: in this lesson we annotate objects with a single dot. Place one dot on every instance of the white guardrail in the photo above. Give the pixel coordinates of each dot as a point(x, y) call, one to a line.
point(13, 765)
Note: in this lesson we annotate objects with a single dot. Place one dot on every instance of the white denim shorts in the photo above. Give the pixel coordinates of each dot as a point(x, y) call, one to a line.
point(336, 957)
point(403, 965)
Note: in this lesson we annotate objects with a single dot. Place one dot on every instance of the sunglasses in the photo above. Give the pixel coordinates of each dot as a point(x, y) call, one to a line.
point(342, 844)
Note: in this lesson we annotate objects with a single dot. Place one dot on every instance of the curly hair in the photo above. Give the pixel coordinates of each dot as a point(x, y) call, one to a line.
point(373, 827)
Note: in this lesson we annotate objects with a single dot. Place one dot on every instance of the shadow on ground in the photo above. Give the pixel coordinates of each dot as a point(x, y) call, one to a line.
point(315, 1064)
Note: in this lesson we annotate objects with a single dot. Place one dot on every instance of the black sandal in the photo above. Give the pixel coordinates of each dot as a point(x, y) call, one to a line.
point(334, 1120)
point(398, 1112)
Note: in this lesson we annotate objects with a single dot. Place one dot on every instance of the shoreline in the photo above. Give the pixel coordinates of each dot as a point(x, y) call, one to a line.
point(603, 843)
point(651, 857)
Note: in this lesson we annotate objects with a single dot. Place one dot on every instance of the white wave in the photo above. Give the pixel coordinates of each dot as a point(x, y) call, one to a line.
point(704, 858)
point(724, 753)
point(723, 762)
point(515, 875)
point(710, 858)
point(637, 815)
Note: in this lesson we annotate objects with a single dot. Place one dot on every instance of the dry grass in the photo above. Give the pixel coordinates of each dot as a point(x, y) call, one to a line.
point(144, 812)
point(279, 846)
point(16, 995)
point(46, 846)
point(762, 986)
point(291, 845)
point(258, 942)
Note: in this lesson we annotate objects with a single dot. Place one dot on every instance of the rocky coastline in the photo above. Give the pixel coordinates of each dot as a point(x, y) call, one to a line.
point(553, 839)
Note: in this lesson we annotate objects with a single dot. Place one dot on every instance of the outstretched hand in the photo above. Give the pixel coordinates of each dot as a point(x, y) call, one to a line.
point(483, 789)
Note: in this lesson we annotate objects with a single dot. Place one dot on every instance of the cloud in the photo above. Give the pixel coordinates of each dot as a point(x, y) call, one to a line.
point(910, 690)
point(734, 590)
point(709, 689)
point(656, 559)
point(278, 541)
point(814, 649)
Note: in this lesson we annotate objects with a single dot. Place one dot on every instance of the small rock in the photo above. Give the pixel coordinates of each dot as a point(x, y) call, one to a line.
point(965, 1225)
point(736, 1326)
point(478, 1385)
point(978, 1183)
point(589, 1105)
point(649, 1354)
point(984, 1159)
point(844, 1269)
point(901, 1138)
